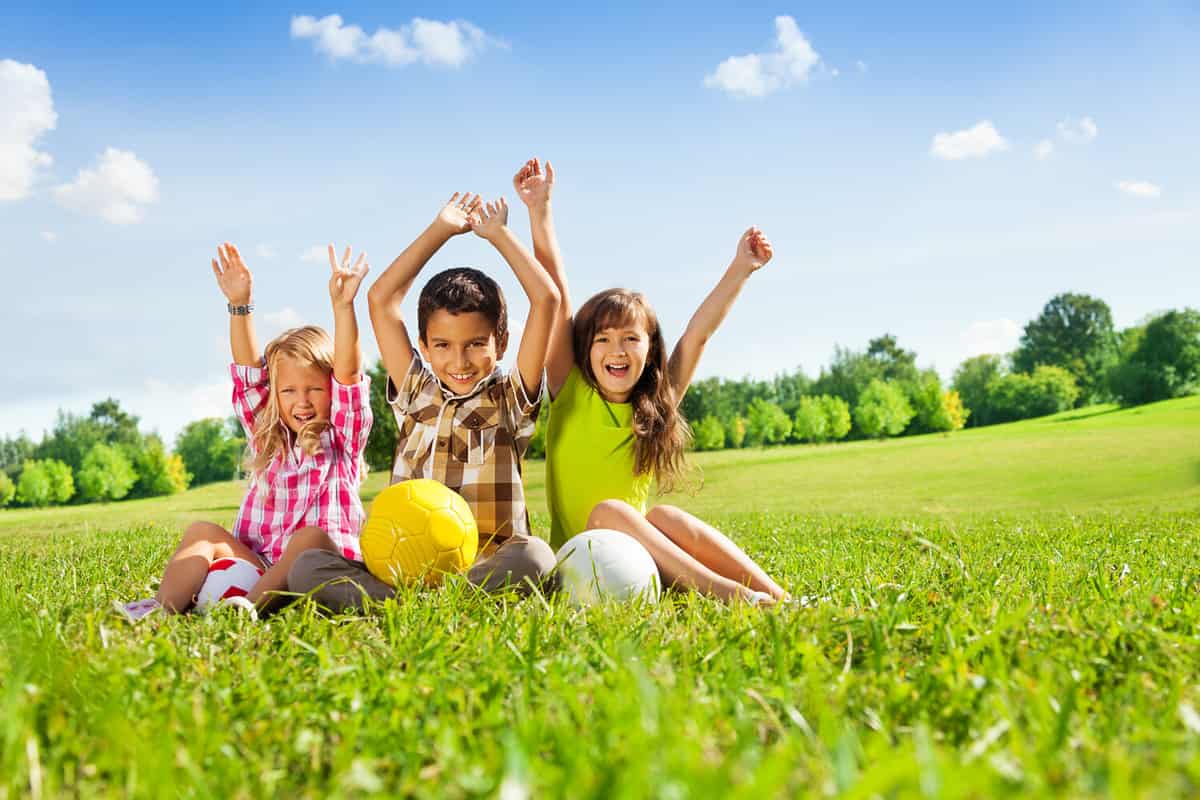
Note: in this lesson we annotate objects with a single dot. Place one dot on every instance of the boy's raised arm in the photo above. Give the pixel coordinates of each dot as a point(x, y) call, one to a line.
point(490, 223)
point(534, 186)
point(386, 294)
point(753, 251)
point(237, 284)
point(343, 286)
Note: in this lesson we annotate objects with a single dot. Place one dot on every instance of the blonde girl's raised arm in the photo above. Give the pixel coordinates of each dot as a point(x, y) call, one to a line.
point(389, 290)
point(237, 285)
point(753, 251)
point(534, 186)
point(343, 287)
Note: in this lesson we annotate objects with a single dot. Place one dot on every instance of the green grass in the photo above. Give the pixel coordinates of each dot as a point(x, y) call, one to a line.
point(1005, 612)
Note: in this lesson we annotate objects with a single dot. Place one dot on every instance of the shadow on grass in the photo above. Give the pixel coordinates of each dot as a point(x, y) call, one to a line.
point(1087, 413)
point(213, 508)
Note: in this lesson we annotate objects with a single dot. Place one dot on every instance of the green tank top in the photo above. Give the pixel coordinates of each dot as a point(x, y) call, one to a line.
point(589, 457)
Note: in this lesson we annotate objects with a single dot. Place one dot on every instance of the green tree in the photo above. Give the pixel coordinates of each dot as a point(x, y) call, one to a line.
point(848, 375)
point(106, 474)
point(928, 402)
point(973, 381)
point(14, 452)
point(1075, 332)
point(894, 362)
point(158, 472)
point(810, 423)
point(882, 410)
point(837, 417)
point(735, 432)
point(210, 450)
point(1163, 360)
point(45, 482)
point(1020, 396)
point(766, 424)
point(8, 489)
point(708, 434)
point(381, 444)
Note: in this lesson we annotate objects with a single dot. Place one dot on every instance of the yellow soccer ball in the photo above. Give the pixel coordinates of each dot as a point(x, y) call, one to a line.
point(418, 530)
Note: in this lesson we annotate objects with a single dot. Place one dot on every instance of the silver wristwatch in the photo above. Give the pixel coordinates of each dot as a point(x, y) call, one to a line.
point(240, 311)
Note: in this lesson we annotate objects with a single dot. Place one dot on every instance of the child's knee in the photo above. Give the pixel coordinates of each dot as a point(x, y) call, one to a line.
point(310, 538)
point(609, 513)
point(665, 515)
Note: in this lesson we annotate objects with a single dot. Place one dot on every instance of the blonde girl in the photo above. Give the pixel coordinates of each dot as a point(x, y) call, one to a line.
point(615, 425)
point(305, 408)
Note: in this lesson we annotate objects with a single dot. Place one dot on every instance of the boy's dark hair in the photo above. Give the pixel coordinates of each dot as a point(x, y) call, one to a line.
point(460, 291)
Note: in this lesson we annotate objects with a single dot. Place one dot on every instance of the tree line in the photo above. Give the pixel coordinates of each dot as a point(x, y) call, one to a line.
point(1069, 356)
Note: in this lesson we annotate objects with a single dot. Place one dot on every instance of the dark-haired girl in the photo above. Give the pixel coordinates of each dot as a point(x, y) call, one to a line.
point(615, 425)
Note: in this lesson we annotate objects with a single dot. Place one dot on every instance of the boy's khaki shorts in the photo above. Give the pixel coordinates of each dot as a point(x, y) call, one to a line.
point(340, 584)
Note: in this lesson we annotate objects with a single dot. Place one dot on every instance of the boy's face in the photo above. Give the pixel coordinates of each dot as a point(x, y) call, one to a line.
point(461, 349)
point(302, 393)
point(618, 358)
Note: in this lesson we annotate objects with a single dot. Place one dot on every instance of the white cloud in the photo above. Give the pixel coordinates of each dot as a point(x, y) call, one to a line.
point(991, 336)
point(443, 44)
point(1140, 189)
point(117, 188)
point(49, 236)
point(26, 112)
point(1079, 131)
point(316, 254)
point(1043, 149)
point(760, 74)
point(265, 251)
point(975, 142)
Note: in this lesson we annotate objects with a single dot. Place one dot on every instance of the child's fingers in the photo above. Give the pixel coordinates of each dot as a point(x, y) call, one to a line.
point(333, 258)
point(549, 172)
point(452, 199)
point(361, 258)
point(346, 258)
point(216, 270)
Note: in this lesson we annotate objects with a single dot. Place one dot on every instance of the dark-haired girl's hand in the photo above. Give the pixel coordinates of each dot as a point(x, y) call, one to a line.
point(533, 185)
point(754, 250)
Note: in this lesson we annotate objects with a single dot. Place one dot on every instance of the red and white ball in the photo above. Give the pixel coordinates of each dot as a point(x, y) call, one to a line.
point(227, 577)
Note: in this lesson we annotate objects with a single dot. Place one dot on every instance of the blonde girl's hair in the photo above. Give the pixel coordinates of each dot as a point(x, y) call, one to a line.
point(308, 346)
point(661, 434)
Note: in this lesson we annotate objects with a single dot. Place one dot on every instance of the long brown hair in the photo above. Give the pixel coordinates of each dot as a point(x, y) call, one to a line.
point(661, 434)
point(308, 346)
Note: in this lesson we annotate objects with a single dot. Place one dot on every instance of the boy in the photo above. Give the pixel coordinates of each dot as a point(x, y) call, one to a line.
point(462, 421)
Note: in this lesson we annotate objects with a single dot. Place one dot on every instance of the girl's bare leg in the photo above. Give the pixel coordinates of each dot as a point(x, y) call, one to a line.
point(712, 548)
point(202, 544)
point(677, 566)
point(275, 578)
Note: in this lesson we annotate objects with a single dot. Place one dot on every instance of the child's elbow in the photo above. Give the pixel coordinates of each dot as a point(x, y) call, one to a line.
point(550, 300)
point(375, 296)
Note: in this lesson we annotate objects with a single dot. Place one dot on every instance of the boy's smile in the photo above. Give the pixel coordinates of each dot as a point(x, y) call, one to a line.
point(460, 348)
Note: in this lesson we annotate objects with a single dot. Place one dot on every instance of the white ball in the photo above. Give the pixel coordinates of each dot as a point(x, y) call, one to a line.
point(603, 564)
point(227, 577)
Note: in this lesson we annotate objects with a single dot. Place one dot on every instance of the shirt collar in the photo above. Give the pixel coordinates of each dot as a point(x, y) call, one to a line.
point(479, 387)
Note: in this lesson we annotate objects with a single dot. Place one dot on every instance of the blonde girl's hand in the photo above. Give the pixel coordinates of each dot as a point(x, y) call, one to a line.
point(455, 216)
point(489, 219)
point(533, 185)
point(233, 277)
point(344, 283)
point(754, 250)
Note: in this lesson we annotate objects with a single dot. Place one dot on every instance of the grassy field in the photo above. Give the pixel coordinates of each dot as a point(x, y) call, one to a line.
point(1011, 611)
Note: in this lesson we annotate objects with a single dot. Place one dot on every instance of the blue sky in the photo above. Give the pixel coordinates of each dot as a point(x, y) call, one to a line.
point(891, 154)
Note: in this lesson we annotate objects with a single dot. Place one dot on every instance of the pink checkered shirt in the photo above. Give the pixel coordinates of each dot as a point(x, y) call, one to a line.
point(297, 490)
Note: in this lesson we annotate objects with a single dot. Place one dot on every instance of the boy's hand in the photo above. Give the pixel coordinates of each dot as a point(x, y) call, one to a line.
point(346, 279)
point(455, 216)
point(754, 250)
point(534, 186)
point(489, 220)
point(233, 277)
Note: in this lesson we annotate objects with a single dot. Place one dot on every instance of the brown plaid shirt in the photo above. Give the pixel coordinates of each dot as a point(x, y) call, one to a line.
point(471, 443)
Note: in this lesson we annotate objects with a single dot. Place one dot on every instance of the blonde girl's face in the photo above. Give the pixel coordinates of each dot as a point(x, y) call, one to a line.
point(618, 358)
point(302, 393)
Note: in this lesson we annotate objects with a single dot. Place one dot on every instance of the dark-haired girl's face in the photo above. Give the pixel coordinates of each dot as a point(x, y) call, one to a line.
point(618, 358)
